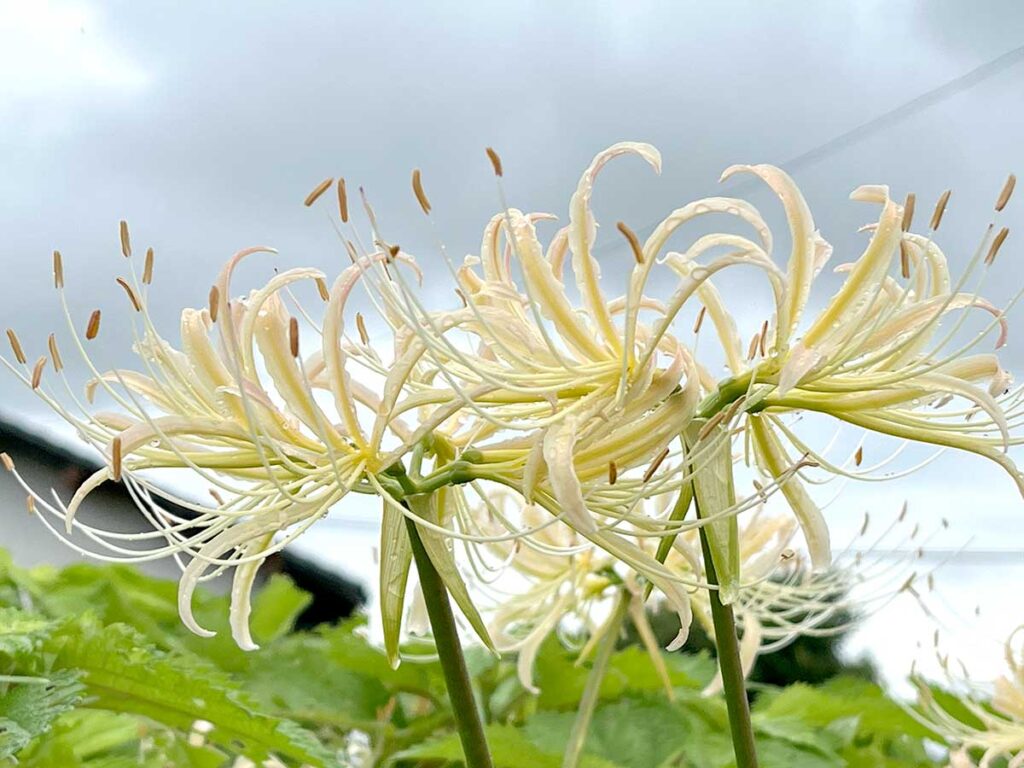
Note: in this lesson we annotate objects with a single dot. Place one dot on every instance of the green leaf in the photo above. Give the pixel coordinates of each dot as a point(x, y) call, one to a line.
point(21, 632)
point(29, 708)
point(276, 606)
point(123, 673)
point(840, 698)
point(509, 746)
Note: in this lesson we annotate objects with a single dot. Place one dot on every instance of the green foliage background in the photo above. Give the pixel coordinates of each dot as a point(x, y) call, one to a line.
point(96, 671)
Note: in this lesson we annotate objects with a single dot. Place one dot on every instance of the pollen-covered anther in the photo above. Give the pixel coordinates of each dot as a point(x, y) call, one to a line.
point(147, 270)
point(321, 286)
point(495, 161)
point(1004, 195)
point(700, 319)
point(214, 299)
point(92, 328)
point(997, 243)
point(613, 473)
point(30, 504)
point(908, 211)
point(904, 259)
point(361, 327)
point(631, 238)
point(58, 270)
point(293, 336)
point(858, 457)
point(58, 362)
point(417, 189)
point(131, 293)
point(126, 242)
point(19, 353)
point(115, 459)
point(342, 201)
point(37, 372)
point(8, 462)
point(755, 342)
point(318, 190)
point(940, 209)
point(659, 459)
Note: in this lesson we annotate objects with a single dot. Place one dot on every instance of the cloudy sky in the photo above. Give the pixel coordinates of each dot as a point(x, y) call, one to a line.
point(205, 125)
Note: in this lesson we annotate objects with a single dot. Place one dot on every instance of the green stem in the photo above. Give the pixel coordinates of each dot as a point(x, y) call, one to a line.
point(729, 663)
point(592, 689)
point(449, 650)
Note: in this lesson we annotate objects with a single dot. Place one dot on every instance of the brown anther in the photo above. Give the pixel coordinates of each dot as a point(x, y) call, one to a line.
point(908, 211)
point(700, 319)
point(1004, 196)
point(417, 188)
point(613, 473)
point(787, 554)
point(321, 286)
point(147, 270)
point(858, 457)
point(997, 243)
point(7, 461)
point(115, 459)
point(361, 327)
point(634, 243)
point(19, 353)
point(30, 504)
point(462, 297)
point(940, 209)
point(495, 161)
point(342, 201)
point(713, 422)
point(92, 328)
point(216, 496)
point(58, 270)
point(904, 259)
point(318, 190)
point(214, 300)
point(393, 251)
point(755, 342)
point(58, 363)
point(126, 243)
point(763, 344)
point(131, 294)
point(655, 464)
point(37, 372)
point(293, 336)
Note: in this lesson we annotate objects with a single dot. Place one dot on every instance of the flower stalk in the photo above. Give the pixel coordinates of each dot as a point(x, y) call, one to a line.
point(449, 651)
point(733, 684)
point(592, 689)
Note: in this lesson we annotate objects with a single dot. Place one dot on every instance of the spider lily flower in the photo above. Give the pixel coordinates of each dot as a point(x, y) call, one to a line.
point(235, 405)
point(994, 728)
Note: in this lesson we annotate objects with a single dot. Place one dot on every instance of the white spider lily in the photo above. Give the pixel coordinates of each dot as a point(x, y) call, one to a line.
point(994, 728)
point(239, 412)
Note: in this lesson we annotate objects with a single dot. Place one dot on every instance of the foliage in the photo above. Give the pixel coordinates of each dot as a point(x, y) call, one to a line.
point(124, 684)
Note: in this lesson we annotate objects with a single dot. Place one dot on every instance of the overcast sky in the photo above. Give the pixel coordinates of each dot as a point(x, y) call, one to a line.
point(205, 125)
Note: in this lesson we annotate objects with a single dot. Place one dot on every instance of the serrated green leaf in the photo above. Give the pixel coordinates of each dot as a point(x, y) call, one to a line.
point(838, 699)
point(123, 673)
point(29, 708)
point(21, 632)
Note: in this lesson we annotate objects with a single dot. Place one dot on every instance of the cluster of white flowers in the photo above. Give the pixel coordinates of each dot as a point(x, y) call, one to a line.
point(554, 431)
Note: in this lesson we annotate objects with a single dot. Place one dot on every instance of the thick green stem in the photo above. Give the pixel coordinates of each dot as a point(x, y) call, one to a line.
point(449, 650)
point(592, 690)
point(729, 663)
